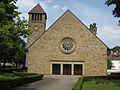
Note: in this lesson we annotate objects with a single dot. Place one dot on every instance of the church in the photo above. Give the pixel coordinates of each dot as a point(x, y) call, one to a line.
point(67, 47)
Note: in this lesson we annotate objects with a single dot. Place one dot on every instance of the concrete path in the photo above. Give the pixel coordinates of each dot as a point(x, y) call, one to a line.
point(51, 83)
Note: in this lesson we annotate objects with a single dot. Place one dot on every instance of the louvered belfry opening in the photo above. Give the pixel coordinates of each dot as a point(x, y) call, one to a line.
point(37, 14)
point(36, 17)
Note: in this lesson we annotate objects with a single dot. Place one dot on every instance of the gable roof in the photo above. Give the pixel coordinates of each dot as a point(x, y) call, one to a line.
point(58, 20)
point(89, 30)
point(37, 9)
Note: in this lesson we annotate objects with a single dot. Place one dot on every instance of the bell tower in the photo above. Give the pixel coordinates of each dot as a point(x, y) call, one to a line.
point(37, 21)
point(37, 18)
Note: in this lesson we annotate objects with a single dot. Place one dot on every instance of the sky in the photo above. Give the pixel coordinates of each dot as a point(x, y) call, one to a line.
point(88, 11)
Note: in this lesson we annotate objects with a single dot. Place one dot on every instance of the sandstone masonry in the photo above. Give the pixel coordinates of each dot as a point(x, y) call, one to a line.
point(89, 57)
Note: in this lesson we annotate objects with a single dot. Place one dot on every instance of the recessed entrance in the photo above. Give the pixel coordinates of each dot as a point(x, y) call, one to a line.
point(56, 69)
point(66, 69)
point(59, 67)
point(77, 69)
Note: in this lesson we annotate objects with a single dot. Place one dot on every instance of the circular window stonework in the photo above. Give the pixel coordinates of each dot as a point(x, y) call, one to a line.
point(67, 45)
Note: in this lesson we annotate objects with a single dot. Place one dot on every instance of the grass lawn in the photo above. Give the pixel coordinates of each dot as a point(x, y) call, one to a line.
point(91, 85)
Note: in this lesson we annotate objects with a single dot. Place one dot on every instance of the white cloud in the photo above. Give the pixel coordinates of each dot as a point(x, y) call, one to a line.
point(56, 6)
point(109, 32)
point(49, 1)
point(90, 14)
point(25, 6)
point(109, 35)
point(64, 8)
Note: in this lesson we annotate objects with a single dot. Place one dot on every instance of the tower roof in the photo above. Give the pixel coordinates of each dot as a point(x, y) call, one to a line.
point(37, 9)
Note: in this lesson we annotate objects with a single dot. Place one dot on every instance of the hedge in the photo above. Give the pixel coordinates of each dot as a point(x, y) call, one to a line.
point(24, 74)
point(78, 85)
point(9, 82)
point(111, 77)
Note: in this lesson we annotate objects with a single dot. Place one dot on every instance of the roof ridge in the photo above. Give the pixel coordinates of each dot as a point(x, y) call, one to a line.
point(89, 29)
point(45, 30)
point(58, 20)
point(37, 9)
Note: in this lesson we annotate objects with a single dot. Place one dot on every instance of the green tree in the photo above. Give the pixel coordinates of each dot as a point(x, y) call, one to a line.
point(116, 49)
point(12, 28)
point(19, 53)
point(93, 28)
point(109, 63)
point(116, 11)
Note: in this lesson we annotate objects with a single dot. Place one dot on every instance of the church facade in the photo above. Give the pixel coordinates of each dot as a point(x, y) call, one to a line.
point(67, 47)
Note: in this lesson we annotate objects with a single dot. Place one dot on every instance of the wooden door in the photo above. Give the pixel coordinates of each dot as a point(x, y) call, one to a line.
point(66, 69)
point(56, 69)
point(78, 69)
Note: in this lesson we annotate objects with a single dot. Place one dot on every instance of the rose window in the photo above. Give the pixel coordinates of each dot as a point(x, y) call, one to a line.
point(67, 44)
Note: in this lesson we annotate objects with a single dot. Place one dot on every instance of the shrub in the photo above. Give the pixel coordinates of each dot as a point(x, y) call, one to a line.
point(89, 78)
point(109, 63)
point(78, 85)
point(20, 79)
point(111, 77)
point(5, 71)
point(23, 74)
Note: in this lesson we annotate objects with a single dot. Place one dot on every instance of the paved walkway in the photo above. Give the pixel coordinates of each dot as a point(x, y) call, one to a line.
point(51, 83)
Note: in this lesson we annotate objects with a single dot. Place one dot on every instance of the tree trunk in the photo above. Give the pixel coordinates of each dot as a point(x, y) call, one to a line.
point(23, 65)
point(4, 64)
point(16, 65)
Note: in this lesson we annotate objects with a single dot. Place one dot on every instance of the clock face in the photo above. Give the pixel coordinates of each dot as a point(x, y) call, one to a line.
point(67, 46)
point(35, 28)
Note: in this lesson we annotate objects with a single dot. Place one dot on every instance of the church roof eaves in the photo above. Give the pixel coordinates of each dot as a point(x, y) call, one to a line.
point(46, 30)
point(89, 29)
point(77, 19)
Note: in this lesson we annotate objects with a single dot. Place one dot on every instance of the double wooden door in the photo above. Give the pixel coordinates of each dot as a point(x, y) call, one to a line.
point(66, 69)
point(77, 69)
point(56, 69)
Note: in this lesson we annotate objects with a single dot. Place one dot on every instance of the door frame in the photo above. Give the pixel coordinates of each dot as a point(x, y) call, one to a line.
point(67, 62)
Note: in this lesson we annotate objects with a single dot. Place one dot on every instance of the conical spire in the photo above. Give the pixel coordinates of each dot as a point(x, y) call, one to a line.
point(37, 9)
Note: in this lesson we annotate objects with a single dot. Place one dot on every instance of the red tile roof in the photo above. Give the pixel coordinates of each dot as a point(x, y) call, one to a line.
point(37, 9)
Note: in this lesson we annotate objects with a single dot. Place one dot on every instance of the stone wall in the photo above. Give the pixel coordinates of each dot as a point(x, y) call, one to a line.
point(88, 47)
point(41, 25)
